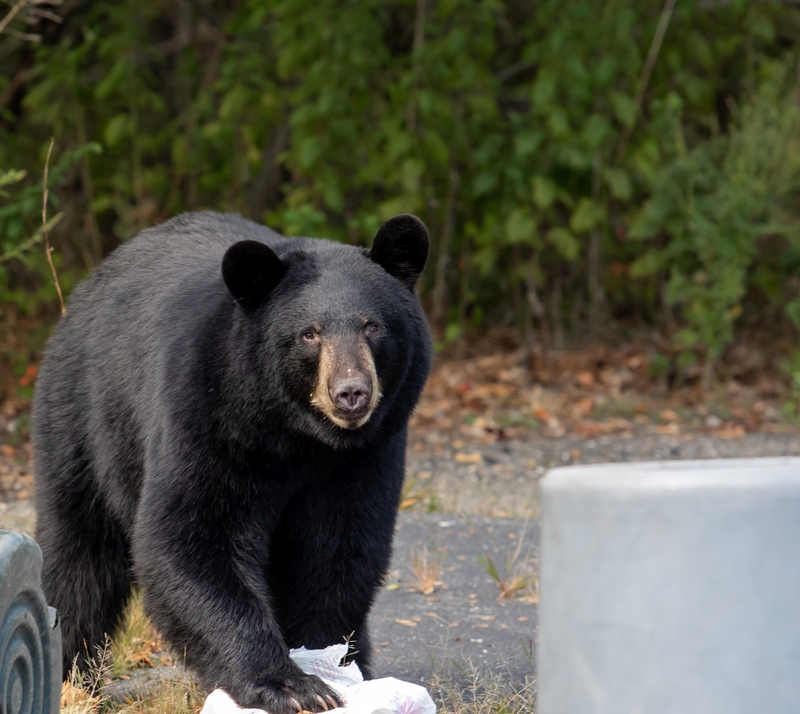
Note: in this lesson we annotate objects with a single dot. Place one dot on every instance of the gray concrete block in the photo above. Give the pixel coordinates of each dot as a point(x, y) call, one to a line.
point(30, 637)
point(671, 588)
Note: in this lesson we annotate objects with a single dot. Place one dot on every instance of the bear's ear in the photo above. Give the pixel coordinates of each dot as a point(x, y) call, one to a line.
point(401, 248)
point(251, 270)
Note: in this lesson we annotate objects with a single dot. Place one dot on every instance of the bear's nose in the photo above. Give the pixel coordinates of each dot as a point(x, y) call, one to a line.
point(351, 394)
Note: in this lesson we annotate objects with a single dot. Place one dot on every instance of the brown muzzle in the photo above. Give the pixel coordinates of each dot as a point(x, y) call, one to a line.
point(347, 389)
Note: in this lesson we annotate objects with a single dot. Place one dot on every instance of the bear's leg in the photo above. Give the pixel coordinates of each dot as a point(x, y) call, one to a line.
point(332, 550)
point(200, 544)
point(86, 569)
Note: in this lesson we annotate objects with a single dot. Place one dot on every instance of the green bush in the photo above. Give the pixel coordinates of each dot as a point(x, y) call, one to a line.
point(573, 168)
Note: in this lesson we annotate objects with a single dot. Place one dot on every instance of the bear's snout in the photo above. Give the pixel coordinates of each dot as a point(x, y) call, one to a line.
point(348, 389)
point(351, 395)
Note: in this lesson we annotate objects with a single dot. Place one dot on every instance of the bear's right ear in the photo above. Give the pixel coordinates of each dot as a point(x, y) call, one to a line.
point(401, 248)
point(251, 270)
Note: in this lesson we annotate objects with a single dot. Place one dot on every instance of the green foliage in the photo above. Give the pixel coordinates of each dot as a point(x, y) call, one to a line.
point(522, 133)
point(716, 204)
point(21, 226)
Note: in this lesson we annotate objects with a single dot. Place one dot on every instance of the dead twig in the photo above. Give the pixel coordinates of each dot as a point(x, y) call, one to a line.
point(644, 79)
point(12, 13)
point(48, 248)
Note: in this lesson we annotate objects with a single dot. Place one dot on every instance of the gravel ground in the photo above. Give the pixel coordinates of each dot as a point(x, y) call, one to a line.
point(17, 515)
point(501, 478)
point(462, 626)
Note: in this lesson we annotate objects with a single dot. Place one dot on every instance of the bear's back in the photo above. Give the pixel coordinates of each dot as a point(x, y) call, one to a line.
point(157, 290)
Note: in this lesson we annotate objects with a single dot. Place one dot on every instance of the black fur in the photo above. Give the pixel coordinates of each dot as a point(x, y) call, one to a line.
point(401, 247)
point(176, 449)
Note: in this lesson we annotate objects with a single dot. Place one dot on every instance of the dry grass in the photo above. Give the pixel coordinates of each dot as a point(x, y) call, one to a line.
point(483, 694)
point(519, 579)
point(178, 696)
point(419, 495)
point(426, 565)
point(137, 644)
point(84, 692)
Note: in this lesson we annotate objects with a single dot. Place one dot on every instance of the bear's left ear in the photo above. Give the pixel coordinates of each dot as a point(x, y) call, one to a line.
point(401, 248)
point(251, 270)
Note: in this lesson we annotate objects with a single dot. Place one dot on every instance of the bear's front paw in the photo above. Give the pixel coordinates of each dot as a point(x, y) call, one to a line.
point(288, 695)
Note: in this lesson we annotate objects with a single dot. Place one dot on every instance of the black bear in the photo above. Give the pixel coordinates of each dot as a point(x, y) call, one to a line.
point(220, 418)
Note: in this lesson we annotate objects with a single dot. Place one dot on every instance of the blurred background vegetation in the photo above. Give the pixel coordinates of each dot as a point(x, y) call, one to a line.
point(589, 169)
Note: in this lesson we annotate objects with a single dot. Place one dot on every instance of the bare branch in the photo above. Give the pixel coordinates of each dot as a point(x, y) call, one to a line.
point(644, 79)
point(48, 249)
point(24, 36)
point(12, 14)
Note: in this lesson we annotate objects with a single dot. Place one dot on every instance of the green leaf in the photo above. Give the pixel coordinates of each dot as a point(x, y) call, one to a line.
point(559, 123)
point(792, 310)
point(308, 151)
point(520, 227)
point(647, 264)
point(452, 332)
point(624, 108)
point(543, 92)
point(483, 183)
point(544, 192)
point(618, 183)
point(565, 243)
point(587, 215)
point(527, 142)
point(595, 130)
point(11, 176)
point(115, 130)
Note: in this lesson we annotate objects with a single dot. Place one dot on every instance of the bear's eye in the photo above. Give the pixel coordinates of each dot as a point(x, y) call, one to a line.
point(309, 336)
point(373, 328)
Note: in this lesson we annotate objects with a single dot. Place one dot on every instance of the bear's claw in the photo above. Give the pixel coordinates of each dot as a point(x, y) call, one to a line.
point(289, 695)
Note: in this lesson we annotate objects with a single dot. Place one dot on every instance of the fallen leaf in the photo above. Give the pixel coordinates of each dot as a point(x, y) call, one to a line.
point(596, 428)
point(406, 623)
point(472, 458)
point(730, 432)
point(582, 408)
point(75, 699)
point(671, 429)
point(541, 413)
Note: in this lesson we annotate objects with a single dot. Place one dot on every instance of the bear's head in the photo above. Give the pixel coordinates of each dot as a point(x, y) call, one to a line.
point(340, 338)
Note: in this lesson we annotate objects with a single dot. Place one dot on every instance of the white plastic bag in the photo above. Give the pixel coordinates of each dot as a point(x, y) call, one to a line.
point(376, 696)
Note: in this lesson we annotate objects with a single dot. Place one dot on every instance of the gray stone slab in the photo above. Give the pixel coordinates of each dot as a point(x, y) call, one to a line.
point(144, 681)
point(671, 588)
